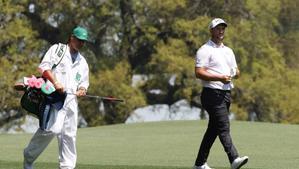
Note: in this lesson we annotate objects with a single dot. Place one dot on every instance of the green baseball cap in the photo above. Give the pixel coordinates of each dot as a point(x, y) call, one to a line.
point(80, 33)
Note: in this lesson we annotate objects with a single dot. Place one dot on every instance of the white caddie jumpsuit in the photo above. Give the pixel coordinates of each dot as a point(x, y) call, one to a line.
point(62, 123)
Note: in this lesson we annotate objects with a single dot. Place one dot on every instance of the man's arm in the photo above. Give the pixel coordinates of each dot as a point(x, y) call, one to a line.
point(83, 86)
point(237, 74)
point(49, 75)
point(203, 74)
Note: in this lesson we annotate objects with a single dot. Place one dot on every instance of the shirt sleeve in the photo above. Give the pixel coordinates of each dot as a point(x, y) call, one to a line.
point(85, 76)
point(202, 58)
point(48, 60)
point(233, 61)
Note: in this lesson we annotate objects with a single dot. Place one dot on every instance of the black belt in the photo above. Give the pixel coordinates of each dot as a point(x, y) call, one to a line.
point(216, 90)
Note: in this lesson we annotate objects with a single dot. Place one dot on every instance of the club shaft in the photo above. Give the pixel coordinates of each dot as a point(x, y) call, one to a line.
point(102, 98)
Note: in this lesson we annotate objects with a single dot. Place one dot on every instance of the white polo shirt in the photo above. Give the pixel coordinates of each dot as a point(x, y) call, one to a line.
point(218, 60)
point(70, 75)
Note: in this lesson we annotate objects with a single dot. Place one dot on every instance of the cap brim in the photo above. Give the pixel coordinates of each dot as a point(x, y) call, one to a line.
point(222, 23)
point(225, 24)
point(80, 38)
point(84, 39)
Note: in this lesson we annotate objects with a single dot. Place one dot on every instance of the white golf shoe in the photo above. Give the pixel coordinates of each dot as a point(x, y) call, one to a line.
point(205, 166)
point(239, 162)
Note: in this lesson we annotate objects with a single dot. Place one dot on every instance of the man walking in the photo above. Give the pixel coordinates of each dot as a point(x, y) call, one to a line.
point(70, 75)
point(216, 66)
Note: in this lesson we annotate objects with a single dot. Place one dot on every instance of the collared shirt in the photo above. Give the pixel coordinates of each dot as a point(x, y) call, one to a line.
point(218, 59)
point(72, 75)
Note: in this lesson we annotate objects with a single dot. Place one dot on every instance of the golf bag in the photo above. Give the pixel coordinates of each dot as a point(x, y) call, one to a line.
point(32, 101)
point(40, 105)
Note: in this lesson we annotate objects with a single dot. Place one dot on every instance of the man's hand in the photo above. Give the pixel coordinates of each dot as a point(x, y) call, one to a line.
point(58, 86)
point(226, 79)
point(81, 92)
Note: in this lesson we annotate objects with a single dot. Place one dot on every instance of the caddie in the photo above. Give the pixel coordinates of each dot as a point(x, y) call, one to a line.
point(68, 71)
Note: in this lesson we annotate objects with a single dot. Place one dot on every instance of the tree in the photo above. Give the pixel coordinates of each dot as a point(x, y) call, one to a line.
point(19, 53)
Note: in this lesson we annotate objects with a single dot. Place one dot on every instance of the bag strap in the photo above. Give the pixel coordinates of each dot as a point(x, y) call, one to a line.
point(59, 53)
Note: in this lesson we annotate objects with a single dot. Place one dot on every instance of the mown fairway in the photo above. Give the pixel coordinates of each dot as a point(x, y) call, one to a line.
point(164, 145)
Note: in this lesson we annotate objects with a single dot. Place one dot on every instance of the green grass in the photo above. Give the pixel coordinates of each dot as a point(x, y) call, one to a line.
point(163, 145)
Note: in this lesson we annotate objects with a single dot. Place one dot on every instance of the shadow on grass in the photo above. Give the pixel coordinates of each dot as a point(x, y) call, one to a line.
point(38, 165)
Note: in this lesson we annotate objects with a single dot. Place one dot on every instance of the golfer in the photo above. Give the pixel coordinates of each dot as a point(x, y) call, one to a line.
point(71, 75)
point(216, 67)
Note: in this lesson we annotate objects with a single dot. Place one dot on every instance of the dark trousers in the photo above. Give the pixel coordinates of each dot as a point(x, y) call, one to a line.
point(216, 102)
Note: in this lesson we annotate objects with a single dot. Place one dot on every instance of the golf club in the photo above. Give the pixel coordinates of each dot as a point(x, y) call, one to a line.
point(102, 98)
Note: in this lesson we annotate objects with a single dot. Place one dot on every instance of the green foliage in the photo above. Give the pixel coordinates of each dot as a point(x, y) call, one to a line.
point(116, 83)
point(194, 32)
point(170, 60)
point(18, 52)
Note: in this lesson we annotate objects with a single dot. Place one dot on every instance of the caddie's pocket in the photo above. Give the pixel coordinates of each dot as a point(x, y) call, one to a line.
point(61, 68)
